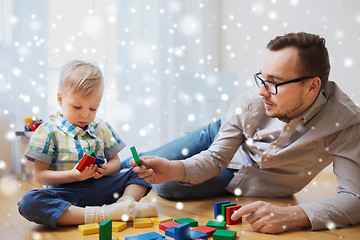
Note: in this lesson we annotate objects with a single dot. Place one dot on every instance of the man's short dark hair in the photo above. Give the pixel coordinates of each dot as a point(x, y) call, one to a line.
point(313, 55)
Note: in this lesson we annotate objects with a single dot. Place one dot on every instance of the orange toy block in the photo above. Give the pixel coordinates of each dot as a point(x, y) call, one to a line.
point(91, 228)
point(118, 226)
point(158, 220)
point(142, 223)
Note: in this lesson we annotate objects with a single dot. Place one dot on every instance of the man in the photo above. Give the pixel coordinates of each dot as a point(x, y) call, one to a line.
point(281, 141)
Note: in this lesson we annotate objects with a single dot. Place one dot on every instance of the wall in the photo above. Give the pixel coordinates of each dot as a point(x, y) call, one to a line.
point(249, 25)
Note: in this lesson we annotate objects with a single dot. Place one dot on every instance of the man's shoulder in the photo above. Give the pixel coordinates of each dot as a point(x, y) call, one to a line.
point(334, 94)
point(340, 105)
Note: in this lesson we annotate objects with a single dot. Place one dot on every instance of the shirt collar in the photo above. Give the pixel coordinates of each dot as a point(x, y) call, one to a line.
point(73, 130)
point(314, 109)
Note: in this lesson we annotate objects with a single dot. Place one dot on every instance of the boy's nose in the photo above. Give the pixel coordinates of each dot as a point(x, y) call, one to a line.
point(84, 114)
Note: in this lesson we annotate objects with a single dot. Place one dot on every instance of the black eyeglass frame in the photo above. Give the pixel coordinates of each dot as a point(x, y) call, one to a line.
point(264, 82)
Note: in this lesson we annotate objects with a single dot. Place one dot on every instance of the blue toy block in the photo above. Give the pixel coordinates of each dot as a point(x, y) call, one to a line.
point(151, 236)
point(146, 236)
point(105, 232)
point(195, 234)
point(183, 232)
point(217, 208)
point(99, 161)
point(170, 232)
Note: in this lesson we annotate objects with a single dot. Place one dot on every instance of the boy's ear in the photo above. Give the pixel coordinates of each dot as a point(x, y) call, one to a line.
point(59, 98)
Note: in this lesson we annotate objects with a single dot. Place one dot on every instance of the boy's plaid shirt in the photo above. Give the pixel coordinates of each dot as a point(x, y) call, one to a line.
point(62, 145)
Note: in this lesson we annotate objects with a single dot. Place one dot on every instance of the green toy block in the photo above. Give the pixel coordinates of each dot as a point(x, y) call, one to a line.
point(91, 153)
point(105, 232)
point(216, 224)
point(221, 234)
point(136, 156)
point(223, 209)
point(193, 223)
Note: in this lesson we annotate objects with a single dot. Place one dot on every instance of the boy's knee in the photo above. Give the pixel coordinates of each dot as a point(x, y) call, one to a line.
point(26, 203)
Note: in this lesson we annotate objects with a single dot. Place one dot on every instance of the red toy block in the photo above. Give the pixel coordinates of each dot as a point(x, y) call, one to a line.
point(85, 161)
point(167, 225)
point(229, 211)
point(209, 231)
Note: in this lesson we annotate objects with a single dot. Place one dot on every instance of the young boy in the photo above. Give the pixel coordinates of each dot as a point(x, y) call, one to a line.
point(72, 197)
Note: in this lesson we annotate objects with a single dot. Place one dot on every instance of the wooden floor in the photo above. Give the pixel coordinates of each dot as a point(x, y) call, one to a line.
point(13, 226)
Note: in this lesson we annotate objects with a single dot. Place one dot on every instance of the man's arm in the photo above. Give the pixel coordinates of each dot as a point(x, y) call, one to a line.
point(268, 218)
point(344, 208)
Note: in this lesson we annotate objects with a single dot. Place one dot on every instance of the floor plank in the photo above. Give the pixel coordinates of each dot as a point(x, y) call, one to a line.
point(14, 226)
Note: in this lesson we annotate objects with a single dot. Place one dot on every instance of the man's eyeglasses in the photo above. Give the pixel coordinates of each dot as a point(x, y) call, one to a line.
point(272, 87)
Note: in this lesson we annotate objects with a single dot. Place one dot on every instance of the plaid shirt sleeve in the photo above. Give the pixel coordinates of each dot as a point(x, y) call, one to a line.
point(112, 142)
point(41, 146)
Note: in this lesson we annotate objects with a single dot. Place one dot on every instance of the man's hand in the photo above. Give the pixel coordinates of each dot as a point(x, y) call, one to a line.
point(157, 170)
point(268, 218)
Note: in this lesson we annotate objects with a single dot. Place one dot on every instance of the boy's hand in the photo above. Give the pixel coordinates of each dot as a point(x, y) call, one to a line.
point(100, 171)
point(157, 170)
point(88, 172)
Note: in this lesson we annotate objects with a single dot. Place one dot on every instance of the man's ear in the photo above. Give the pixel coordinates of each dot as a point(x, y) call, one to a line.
point(315, 85)
point(59, 99)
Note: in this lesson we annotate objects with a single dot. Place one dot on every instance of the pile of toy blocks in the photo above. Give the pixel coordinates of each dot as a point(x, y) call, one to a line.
point(179, 229)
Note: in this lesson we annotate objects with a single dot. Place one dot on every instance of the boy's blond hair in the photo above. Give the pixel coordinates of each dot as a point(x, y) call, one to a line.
point(79, 76)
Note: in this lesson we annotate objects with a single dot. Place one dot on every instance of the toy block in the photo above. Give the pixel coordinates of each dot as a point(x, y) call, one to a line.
point(167, 225)
point(142, 223)
point(209, 231)
point(91, 228)
point(229, 212)
point(221, 234)
point(152, 235)
point(223, 209)
point(85, 161)
point(146, 236)
point(118, 226)
point(91, 153)
point(193, 223)
point(158, 220)
point(216, 224)
point(197, 235)
point(182, 231)
point(105, 232)
point(170, 232)
point(136, 156)
point(99, 161)
point(217, 208)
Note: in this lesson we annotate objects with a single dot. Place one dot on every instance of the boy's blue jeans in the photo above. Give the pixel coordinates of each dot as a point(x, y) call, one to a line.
point(190, 144)
point(45, 206)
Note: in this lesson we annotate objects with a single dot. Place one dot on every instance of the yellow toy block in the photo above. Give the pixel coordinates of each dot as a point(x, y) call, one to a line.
point(90, 228)
point(142, 223)
point(118, 226)
point(162, 219)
